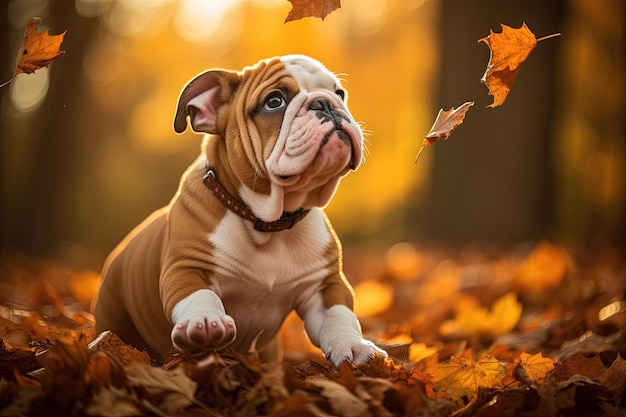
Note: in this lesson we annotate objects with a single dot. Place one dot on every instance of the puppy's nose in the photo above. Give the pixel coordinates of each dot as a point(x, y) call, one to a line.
point(322, 107)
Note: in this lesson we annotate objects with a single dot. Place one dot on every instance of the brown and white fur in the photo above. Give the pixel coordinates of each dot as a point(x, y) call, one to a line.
point(195, 275)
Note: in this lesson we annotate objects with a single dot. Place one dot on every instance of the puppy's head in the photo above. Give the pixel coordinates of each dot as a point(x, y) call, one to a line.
point(288, 134)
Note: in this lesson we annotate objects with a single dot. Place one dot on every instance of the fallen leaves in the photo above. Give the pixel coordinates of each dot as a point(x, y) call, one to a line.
point(311, 8)
point(545, 268)
point(502, 318)
point(38, 50)
point(535, 367)
point(568, 361)
point(461, 378)
point(444, 125)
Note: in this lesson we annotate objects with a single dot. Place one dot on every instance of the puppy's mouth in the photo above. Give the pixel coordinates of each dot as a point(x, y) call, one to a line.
point(347, 139)
point(344, 137)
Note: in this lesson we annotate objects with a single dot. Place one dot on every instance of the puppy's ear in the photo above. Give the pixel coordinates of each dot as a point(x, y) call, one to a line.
point(201, 99)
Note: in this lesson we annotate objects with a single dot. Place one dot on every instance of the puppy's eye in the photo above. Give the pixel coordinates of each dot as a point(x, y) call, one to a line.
point(274, 101)
point(341, 93)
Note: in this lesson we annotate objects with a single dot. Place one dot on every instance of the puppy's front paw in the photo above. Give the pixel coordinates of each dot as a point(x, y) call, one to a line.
point(341, 339)
point(204, 332)
point(357, 353)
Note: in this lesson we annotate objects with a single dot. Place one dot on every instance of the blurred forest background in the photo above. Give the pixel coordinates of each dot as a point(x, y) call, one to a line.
point(88, 149)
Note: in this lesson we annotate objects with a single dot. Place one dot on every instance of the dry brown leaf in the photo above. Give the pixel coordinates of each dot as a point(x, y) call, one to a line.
point(429, 386)
point(592, 368)
point(114, 401)
point(311, 8)
point(12, 358)
point(445, 123)
point(63, 380)
point(103, 372)
point(341, 400)
point(535, 366)
point(509, 50)
point(298, 404)
point(109, 343)
point(462, 378)
point(171, 390)
point(38, 49)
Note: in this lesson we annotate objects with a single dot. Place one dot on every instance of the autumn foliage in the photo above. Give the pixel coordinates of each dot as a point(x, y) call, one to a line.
point(538, 331)
point(541, 334)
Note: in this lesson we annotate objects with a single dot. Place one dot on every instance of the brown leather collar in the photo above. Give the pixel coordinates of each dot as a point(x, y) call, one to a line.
point(287, 220)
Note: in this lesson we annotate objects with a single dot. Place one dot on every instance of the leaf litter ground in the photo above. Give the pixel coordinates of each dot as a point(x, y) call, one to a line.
point(536, 331)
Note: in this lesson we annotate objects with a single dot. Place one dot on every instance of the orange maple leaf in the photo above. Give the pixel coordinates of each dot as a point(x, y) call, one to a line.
point(462, 378)
point(38, 49)
point(535, 366)
point(311, 8)
point(444, 125)
point(509, 50)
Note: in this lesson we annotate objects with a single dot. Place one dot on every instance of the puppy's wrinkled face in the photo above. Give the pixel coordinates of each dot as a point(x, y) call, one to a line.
point(318, 139)
point(289, 133)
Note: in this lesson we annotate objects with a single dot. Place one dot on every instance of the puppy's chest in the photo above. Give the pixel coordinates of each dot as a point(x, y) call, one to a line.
point(283, 261)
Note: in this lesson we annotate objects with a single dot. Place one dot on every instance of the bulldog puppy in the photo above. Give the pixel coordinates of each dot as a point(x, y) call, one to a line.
point(244, 241)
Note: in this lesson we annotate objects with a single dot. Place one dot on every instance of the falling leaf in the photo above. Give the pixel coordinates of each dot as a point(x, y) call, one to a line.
point(509, 50)
point(460, 378)
point(503, 317)
point(38, 49)
point(444, 125)
point(311, 8)
point(535, 366)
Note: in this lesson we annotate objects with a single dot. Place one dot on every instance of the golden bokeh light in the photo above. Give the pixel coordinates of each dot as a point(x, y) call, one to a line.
point(389, 83)
point(28, 93)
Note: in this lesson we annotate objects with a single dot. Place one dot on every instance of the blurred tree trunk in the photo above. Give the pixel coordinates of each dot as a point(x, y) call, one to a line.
point(492, 181)
point(590, 140)
point(36, 219)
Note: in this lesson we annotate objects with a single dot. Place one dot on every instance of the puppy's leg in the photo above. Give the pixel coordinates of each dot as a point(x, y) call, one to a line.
point(336, 330)
point(111, 315)
point(273, 352)
point(200, 322)
point(341, 338)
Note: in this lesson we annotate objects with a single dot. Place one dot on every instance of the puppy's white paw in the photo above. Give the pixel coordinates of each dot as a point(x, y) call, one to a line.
point(356, 353)
point(200, 322)
point(204, 332)
point(341, 339)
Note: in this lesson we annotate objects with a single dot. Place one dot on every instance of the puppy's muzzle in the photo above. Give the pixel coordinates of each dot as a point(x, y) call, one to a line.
point(325, 111)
